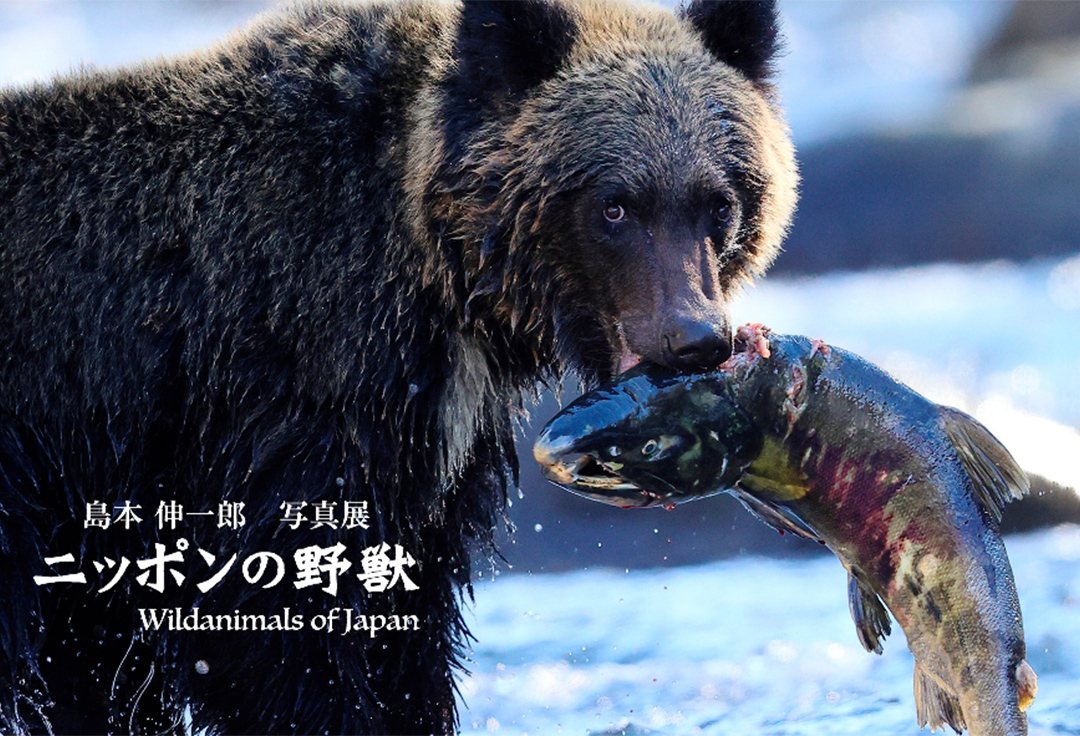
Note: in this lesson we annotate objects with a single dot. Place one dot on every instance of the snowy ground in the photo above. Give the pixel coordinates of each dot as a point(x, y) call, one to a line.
point(751, 646)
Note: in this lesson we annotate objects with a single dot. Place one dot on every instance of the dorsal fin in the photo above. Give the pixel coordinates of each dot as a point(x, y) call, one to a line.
point(994, 474)
point(868, 612)
point(779, 517)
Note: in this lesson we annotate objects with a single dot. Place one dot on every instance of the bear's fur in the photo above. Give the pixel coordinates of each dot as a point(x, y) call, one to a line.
point(327, 260)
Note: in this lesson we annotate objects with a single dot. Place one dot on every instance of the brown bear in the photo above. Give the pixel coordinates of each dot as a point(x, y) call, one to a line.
point(319, 267)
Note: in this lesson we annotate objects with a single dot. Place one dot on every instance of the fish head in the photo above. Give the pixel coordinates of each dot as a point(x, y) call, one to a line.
point(653, 437)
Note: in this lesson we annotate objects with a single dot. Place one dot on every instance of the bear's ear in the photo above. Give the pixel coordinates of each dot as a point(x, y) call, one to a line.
point(505, 47)
point(741, 33)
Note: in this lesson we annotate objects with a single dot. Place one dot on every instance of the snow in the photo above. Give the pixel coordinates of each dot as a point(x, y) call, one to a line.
point(856, 66)
point(752, 646)
point(41, 38)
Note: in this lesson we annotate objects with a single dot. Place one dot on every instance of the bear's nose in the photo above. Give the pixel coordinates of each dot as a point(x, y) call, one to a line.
point(693, 345)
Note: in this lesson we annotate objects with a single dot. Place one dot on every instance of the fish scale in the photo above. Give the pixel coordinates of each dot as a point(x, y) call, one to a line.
point(820, 443)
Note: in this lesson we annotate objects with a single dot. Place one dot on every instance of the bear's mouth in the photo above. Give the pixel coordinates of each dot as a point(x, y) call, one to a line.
point(625, 357)
point(627, 360)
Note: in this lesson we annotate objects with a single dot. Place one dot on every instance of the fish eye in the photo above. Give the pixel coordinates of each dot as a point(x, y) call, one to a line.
point(613, 451)
point(650, 448)
point(614, 213)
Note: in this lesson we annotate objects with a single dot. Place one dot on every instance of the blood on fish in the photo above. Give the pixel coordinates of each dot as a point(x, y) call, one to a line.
point(819, 346)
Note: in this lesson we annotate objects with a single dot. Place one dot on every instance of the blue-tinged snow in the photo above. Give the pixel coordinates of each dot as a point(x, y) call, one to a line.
point(40, 39)
point(860, 66)
point(750, 646)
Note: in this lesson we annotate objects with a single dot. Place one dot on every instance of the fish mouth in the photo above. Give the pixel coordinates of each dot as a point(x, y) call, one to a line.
point(588, 472)
point(582, 473)
point(560, 464)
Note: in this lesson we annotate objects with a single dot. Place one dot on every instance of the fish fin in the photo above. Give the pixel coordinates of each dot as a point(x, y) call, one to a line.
point(933, 705)
point(994, 474)
point(779, 518)
point(1027, 684)
point(773, 474)
point(871, 618)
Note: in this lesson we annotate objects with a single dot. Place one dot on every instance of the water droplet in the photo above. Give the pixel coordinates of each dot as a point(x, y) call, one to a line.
point(202, 667)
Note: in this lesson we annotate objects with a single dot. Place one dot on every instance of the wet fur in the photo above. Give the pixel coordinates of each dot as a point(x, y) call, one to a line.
point(326, 259)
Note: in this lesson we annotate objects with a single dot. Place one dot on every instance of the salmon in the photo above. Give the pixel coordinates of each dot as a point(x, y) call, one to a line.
point(820, 443)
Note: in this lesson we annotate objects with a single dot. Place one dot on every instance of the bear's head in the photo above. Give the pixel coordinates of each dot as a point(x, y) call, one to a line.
point(608, 175)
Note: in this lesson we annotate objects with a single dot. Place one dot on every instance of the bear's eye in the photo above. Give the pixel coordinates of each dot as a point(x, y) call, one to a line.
point(722, 212)
point(614, 213)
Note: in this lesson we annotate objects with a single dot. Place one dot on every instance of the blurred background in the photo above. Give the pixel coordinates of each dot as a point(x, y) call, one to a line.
point(938, 235)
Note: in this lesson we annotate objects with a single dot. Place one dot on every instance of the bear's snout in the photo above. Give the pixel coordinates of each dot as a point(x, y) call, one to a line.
point(693, 343)
point(687, 339)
